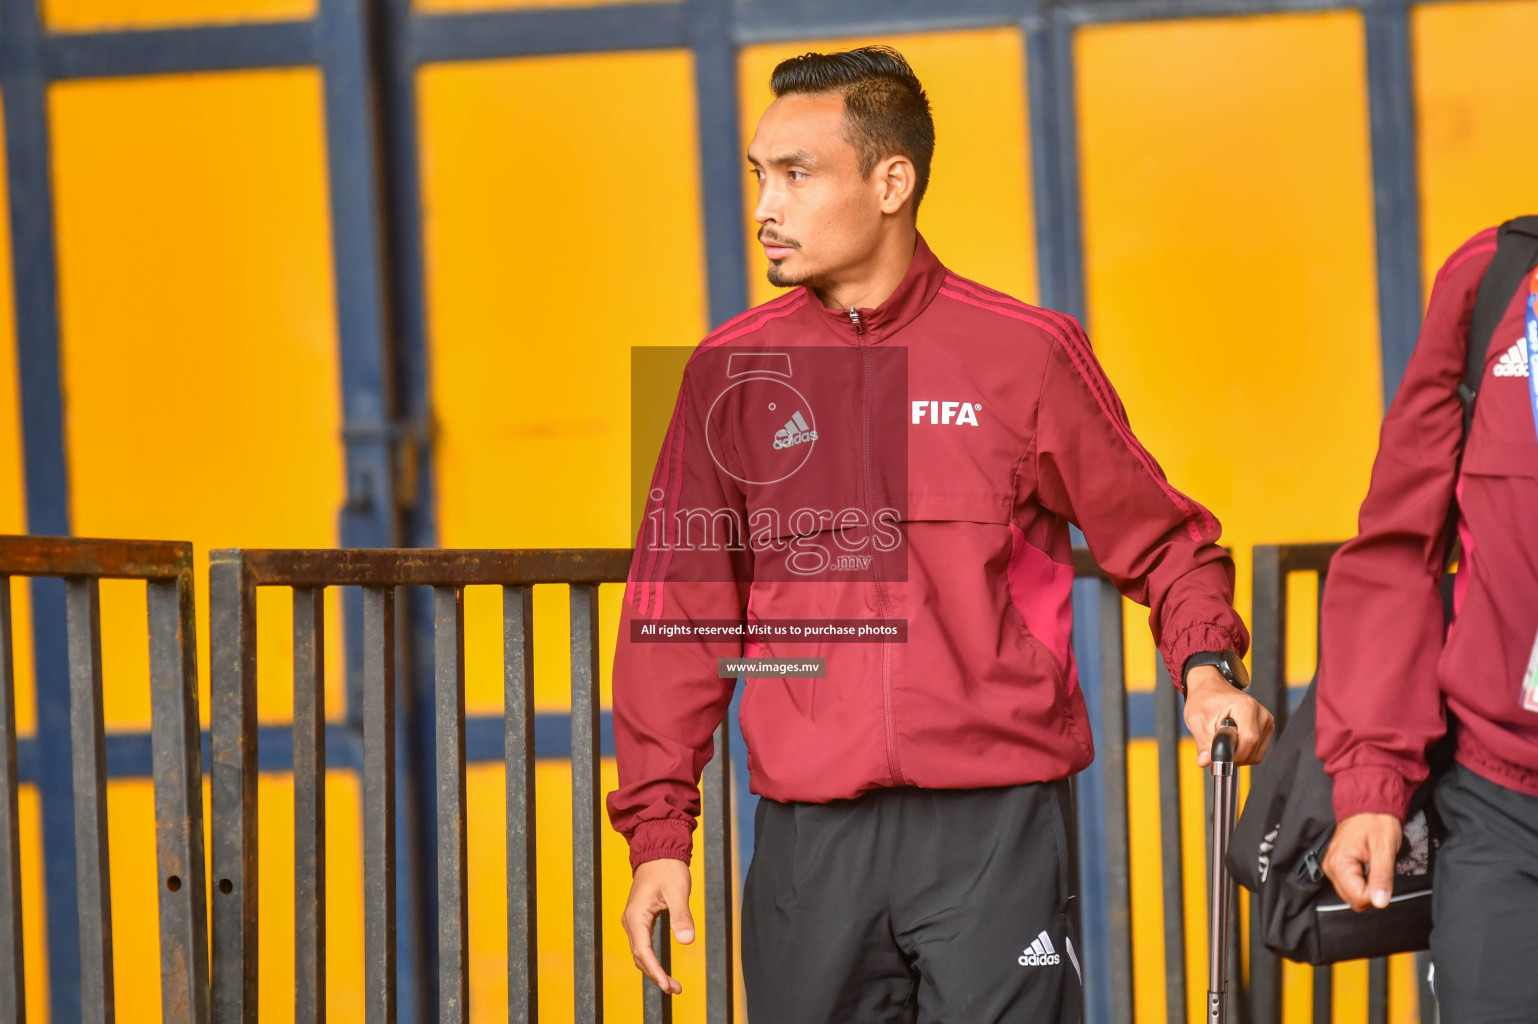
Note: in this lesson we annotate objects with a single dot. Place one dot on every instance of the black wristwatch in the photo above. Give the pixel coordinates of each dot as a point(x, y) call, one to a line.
point(1227, 662)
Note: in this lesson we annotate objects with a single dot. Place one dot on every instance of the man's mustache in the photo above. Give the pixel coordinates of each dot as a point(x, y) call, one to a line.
point(765, 236)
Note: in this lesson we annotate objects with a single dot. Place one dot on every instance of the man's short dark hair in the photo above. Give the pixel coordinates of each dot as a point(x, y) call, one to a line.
point(885, 109)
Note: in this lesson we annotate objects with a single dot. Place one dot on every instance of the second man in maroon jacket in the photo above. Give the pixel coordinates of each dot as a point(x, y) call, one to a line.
point(892, 447)
point(1392, 681)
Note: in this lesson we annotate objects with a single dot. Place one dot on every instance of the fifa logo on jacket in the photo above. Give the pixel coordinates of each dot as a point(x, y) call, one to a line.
point(794, 432)
point(1040, 953)
point(946, 413)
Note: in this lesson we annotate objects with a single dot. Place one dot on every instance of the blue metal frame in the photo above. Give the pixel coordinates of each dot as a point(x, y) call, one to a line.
point(33, 268)
point(1396, 185)
point(368, 51)
point(1089, 797)
point(349, 48)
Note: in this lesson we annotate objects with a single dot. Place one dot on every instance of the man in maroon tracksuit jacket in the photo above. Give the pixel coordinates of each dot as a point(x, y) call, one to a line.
point(1390, 685)
point(892, 445)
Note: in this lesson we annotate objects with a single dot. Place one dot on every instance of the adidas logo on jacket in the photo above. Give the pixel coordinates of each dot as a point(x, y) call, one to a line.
point(1513, 362)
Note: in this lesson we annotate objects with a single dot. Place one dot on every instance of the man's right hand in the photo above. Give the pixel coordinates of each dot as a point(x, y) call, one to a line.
point(658, 885)
point(1360, 860)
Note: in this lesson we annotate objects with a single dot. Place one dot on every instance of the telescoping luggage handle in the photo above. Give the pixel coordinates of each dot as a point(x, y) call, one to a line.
point(1220, 888)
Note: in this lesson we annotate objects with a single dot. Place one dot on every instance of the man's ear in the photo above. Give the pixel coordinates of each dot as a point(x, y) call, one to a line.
point(896, 179)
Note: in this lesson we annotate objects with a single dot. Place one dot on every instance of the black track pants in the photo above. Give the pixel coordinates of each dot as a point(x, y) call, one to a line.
point(1484, 903)
point(909, 905)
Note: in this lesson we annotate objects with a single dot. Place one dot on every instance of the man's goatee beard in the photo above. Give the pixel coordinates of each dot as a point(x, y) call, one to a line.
point(780, 279)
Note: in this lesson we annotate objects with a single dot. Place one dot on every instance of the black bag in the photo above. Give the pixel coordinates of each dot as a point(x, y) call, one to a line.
point(1288, 819)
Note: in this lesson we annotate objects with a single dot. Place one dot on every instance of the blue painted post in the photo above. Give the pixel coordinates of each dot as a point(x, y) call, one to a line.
point(1090, 789)
point(346, 46)
point(1395, 184)
point(721, 160)
point(35, 287)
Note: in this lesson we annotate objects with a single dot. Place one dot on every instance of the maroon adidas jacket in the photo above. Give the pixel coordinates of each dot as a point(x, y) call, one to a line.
point(1384, 666)
point(939, 445)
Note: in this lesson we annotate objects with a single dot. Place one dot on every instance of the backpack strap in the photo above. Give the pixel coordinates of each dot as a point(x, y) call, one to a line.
point(1516, 253)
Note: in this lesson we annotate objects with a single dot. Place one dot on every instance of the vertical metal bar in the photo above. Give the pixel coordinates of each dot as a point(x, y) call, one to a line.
point(40, 390)
point(1377, 991)
point(232, 666)
point(656, 1005)
point(1396, 184)
point(13, 999)
point(51, 756)
point(453, 900)
point(407, 401)
point(587, 866)
point(1050, 91)
point(719, 897)
point(348, 51)
point(1113, 752)
point(177, 752)
point(1268, 617)
point(88, 752)
point(518, 751)
point(1092, 910)
point(1171, 857)
point(379, 952)
point(344, 44)
point(1268, 684)
point(715, 90)
point(309, 805)
point(1324, 994)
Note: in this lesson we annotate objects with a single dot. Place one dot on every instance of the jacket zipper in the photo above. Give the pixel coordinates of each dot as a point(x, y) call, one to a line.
point(894, 766)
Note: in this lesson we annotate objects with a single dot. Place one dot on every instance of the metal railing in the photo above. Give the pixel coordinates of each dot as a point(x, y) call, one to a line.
point(1274, 567)
point(1108, 687)
point(166, 569)
point(235, 576)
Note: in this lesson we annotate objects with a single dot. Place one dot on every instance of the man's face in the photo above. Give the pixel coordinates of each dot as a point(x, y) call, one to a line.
point(817, 214)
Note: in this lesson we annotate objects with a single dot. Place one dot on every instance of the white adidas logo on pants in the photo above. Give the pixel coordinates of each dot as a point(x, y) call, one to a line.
point(1040, 953)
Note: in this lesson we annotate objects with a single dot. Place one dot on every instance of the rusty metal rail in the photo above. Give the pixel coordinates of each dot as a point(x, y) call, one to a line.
point(225, 989)
point(166, 568)
point(235, 576)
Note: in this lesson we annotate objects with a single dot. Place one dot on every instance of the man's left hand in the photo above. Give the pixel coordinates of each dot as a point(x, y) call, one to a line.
point(1209, 699)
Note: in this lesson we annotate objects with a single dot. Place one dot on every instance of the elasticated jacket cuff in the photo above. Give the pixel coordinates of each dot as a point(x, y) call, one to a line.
point(1197, 640)
point(659, 838)
point(1370, 790)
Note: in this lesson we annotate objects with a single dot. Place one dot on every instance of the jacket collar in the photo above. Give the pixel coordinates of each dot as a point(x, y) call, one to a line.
point(918, 287)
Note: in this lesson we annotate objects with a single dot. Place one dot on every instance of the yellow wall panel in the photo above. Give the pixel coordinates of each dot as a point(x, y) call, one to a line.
point(104, 15)
point(1230, 272)
point(344, 897)
point(34, 931)
point(198, 331)
point(562, 227)
point(1474, 99)
point(977, 213)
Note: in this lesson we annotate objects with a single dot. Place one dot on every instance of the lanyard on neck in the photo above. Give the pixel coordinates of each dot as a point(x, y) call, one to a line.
point(1531, 338)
